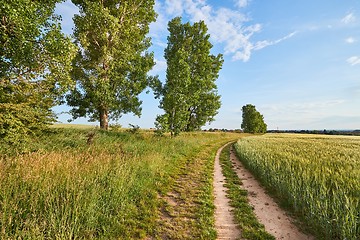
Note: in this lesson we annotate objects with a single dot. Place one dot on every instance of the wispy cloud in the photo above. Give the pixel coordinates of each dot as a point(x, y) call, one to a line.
point(174, 7)
point(349, 18)
point(159, 67)
point(228, 28)
point(262, 44)
point(299, 114)
point(158, 28)
point(304, 107)
point(350, 40)
point(241, 3)
point(354, 60)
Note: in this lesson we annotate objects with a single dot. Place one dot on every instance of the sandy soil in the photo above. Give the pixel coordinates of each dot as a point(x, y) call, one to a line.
point(266, 209)
point(224, 220)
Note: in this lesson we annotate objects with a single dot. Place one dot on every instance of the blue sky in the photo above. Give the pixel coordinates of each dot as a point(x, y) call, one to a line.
point(297, 61)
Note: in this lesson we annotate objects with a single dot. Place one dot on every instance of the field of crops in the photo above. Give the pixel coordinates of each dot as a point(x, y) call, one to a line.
point(317, 176)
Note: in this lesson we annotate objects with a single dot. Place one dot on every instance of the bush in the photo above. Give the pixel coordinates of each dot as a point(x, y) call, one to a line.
point(19, 122)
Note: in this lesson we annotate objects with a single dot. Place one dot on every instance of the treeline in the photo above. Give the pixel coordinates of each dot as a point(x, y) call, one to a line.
point(327, 132)
point(101, 71)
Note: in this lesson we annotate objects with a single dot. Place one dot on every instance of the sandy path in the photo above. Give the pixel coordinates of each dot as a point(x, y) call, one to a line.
point(224, 220)
point(276, 222)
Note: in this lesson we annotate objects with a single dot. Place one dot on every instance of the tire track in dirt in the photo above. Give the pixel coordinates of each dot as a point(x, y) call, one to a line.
point(224, 219)
point(275, 220)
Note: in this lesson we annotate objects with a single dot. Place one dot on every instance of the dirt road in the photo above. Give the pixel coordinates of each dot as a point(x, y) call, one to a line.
point(275, 220)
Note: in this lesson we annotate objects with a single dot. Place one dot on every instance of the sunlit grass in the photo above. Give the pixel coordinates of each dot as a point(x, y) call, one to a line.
point(63, 188)
point(76, 126)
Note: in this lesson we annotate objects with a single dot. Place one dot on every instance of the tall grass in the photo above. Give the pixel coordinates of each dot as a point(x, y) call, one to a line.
point(317, 176)
point(64, 189)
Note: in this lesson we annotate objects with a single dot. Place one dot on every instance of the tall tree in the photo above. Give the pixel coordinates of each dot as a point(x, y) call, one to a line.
point(189, 96)
point(35, 61)
point(253, 121)
point(111, 67)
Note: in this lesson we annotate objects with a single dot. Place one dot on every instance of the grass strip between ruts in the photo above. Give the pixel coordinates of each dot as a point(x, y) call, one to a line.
point(188, 208)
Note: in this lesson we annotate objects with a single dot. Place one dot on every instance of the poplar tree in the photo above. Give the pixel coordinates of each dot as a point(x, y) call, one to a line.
point(253, 121)
point(111, 66)
point(35, 61)
point(189, 96)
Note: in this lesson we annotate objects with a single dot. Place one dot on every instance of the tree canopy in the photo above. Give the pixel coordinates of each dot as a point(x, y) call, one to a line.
point(253, 121)
point(111, 66)
point(35, 61)
point(189, 96)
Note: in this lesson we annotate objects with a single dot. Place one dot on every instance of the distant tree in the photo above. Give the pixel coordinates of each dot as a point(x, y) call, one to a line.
point(189, 96)
point(253, 121)
point(35, 61)
point(112, 64)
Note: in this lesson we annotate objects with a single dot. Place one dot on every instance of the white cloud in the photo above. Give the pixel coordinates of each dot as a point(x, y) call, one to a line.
point(349, 18)
point(241, 3)
point(159, 67)
point(248, 47)
point(159, 26)
point(350, 40)
point(174, 7)
point(354, 60)
point(262, 44)
point(226, 27)
point(67, 11)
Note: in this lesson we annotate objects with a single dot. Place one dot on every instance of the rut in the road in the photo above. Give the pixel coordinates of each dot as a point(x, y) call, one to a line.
point(275, 220)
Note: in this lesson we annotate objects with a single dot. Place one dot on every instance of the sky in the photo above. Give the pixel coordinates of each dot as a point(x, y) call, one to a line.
point(297, 61)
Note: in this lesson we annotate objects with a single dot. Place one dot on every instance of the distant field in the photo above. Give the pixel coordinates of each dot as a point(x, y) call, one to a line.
point(317, 176)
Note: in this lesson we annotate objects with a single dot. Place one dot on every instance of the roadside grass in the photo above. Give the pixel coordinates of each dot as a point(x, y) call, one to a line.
point(243, 212)
point(187, 210)
point(63, 188)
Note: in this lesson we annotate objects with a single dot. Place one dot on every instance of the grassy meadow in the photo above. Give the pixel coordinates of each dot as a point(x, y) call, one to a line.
point(316, 176)
point(63, 188)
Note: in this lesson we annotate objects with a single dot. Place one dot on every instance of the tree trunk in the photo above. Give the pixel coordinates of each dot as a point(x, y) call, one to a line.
point(104, 119)
point(190, 126)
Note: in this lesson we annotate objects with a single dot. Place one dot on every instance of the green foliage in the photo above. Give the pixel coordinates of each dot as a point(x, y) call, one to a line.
point(116, 127)
point(133, 128)
point(189, 96)
point(18, 122)
point(253, 121)
point(111, 68)
point(35, 61)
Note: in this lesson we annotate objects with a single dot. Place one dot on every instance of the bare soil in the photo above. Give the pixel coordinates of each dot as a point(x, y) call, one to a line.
point(275, 220)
